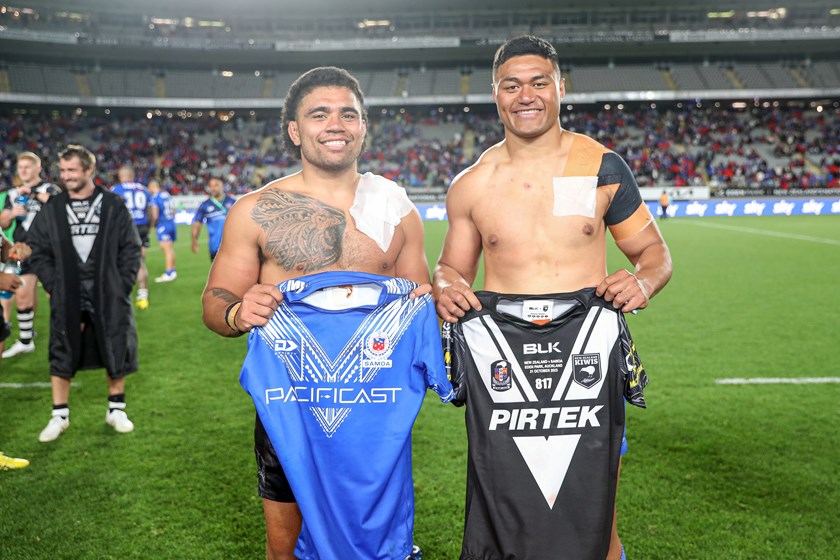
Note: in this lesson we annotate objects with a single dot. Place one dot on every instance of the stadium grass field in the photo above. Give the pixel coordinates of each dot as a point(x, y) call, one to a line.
point(714, 471)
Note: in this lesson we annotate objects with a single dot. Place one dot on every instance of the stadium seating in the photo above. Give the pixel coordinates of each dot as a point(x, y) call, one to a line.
point(46, 79)
point(424, 148)
point(588, 79)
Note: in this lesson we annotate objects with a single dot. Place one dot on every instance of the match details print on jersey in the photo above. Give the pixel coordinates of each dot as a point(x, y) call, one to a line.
point(338, 376)
point(544, 379)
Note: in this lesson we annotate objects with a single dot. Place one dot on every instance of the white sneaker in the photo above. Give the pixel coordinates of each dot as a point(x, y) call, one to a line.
point(19, 348)
point(55, 427)
point(119, 420)
point(166, 277)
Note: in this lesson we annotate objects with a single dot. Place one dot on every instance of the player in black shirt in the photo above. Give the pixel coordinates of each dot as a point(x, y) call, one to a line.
point(21, 206)
point(538, 205)
point(544, 379)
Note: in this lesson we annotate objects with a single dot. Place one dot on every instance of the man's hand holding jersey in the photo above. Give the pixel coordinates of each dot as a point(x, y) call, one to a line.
point(420, 291)
point(257, 306)
point(261, 301)
point(625, 290)
point(454, 300)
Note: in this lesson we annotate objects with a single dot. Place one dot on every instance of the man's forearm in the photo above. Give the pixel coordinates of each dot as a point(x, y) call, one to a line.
point(444, 276)
point(653, 269)
point(6, 219)
point(219, 311)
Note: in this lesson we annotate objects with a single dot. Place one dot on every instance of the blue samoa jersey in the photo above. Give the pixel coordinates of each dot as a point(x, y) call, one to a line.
point(137, 199)
point(213, 213)
point(165, 227)
point(338, 389)
point(166, 212)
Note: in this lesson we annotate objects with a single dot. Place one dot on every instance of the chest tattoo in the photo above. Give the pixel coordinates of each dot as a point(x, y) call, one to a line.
point(302, 233)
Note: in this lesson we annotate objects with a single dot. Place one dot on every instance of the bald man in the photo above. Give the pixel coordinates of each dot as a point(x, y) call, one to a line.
point(138, 200)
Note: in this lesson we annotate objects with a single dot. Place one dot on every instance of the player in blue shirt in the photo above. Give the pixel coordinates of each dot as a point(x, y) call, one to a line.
point(327, 217)
point(137, 199)
point(212, 212)
point(163, 220)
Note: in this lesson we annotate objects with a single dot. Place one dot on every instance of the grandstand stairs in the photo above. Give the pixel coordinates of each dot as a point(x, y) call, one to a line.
point(266, 144)
point(402, 85)
point(160, 86)
point(5, 84)
point(268, 88)
point(469, 145)
point(465, 84)
point(800, 79)
point(83, 84)
point(813, 167)
point(733, 77)
point(669, 79)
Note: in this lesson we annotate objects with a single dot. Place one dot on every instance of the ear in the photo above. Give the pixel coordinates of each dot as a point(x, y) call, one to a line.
point(294, 133)
point(562, 88)
point(364, 127)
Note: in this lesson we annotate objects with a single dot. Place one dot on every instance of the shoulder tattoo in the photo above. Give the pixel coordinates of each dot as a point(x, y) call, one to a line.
point(301, 232)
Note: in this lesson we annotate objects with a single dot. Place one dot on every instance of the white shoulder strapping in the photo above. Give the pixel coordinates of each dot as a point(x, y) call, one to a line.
point(378, 207)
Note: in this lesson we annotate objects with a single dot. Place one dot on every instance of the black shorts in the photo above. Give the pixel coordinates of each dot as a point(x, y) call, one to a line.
point(91, 355)
point(143, 230)
point(272, 484)
point(5, 331)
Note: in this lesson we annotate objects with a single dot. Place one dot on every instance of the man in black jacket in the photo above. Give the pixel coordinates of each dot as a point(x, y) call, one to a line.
point(86, 251)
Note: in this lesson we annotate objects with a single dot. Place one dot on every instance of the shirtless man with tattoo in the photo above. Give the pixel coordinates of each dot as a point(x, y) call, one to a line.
point(561, 192)
point(305, 223)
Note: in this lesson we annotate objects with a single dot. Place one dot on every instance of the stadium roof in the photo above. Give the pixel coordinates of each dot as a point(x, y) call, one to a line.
point(273, 34)
point(315, 7)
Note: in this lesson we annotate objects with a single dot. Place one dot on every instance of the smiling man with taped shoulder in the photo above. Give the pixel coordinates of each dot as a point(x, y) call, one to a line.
point(538, 205)
point(326, 217)
point(561, 191)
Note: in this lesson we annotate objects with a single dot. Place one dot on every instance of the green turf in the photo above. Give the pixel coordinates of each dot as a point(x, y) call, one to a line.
point(714, 471)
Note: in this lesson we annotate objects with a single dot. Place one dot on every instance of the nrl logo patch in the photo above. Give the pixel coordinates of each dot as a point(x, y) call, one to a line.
point(587, 369)
point(500, 379)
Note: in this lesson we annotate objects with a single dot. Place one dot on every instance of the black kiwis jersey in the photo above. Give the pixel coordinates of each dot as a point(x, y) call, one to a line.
point(545, 420)
point(33, 206)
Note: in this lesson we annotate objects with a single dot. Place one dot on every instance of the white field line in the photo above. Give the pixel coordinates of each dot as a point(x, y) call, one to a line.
point(36, 385)
point(767, 232)
point(776, 380)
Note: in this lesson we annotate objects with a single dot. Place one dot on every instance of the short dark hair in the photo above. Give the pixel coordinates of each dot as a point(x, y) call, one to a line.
point(524, 45)
point(76, 150)
point(323, 76)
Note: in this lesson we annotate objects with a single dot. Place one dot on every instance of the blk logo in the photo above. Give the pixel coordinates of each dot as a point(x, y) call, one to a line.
point(540, 348)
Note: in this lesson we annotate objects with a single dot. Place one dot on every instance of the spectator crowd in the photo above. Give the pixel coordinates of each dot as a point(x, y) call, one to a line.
point(773, 146)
